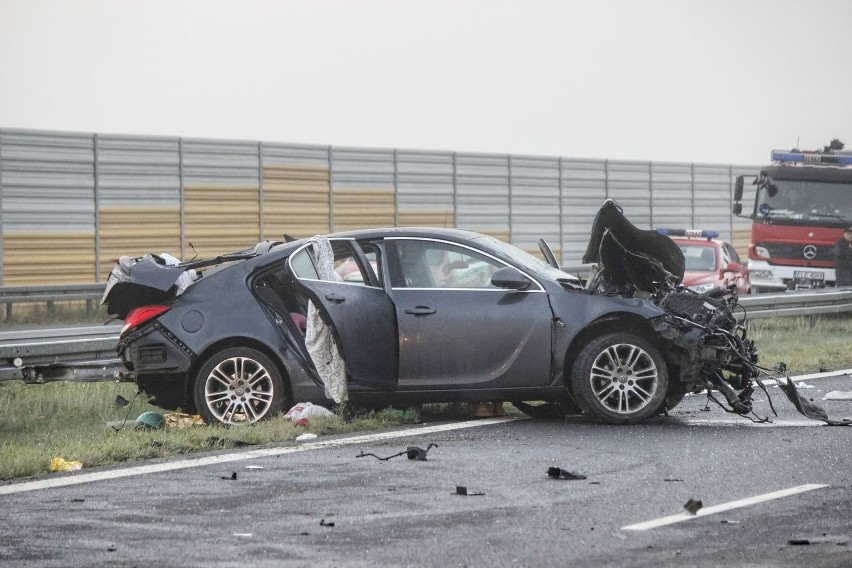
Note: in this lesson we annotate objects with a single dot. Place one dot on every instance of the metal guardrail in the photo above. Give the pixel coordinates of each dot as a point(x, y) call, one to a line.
point(797, 303)
point(42, 355)
point(11, 295)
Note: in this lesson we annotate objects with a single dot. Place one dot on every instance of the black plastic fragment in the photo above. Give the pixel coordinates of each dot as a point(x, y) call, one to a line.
point(413, 453)
point(692, 506)
point(231, 477)
point(326, 524)
point(559, 473)
point(462, 490)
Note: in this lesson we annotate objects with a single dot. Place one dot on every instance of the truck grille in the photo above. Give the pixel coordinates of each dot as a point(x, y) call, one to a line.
point(783, 251)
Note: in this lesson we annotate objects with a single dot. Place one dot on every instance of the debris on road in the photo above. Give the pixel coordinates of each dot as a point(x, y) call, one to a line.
point(729, 522)
point(809, 409)
point(325, 524)
point(306, 437)
point(254, 467)
point(231, 477)
point(120, 401)
point(61, 464)
point(692, 506)
point(462, 490)
point(559, 473)
point(413, 453)
point(824, 539)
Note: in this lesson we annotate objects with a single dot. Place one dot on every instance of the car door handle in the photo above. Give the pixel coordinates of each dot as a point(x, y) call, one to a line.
point(336, 298)
point(420, 311)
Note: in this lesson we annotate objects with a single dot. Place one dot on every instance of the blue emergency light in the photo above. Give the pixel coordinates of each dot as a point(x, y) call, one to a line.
point(812, 158)
point(694, 233)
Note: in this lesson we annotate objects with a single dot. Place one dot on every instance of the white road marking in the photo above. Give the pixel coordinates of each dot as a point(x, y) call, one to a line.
point(78, 478)
point(743, 423)
point(703, 512)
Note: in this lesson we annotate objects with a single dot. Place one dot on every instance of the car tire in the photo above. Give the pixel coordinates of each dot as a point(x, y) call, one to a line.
point(238, 385)
point(620, 378)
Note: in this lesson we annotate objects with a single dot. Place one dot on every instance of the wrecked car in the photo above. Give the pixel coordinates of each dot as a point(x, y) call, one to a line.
point(404, 316)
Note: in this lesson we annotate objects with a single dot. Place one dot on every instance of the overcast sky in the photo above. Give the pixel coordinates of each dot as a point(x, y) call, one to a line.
point(721, 81)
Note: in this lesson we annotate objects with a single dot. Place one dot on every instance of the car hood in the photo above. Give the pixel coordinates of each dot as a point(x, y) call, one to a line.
point(627, 255)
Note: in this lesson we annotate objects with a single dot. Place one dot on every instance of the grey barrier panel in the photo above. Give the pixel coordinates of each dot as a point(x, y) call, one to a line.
point(482, 193)
point(48, 181)
point(535, 203)
point(220, 162)
point(136, 171)
point(584, 188)
point(425, 183)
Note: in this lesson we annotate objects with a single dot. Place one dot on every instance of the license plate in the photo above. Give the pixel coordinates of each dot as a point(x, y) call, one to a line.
point(808, 275)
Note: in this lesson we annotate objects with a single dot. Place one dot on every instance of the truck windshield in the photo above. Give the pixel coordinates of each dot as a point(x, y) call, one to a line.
point(805, 203)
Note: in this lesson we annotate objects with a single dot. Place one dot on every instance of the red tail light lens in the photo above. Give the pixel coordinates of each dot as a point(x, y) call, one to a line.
point(138, 316)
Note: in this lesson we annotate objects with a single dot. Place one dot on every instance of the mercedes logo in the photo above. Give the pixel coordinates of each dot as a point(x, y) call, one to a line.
point(810, 252)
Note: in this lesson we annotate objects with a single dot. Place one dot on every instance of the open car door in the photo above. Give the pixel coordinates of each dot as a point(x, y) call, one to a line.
point(359, 312)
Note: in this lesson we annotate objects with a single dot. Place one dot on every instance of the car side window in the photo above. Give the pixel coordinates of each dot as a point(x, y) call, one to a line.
point(303, 266)
point(732, 254)
point(431, 264)
point(345, 266)
point(726, 256)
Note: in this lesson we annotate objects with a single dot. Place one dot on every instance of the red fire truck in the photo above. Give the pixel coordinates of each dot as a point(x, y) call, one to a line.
point(803, 201)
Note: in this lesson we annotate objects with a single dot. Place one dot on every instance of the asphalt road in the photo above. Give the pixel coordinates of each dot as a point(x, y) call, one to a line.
point(320, 505)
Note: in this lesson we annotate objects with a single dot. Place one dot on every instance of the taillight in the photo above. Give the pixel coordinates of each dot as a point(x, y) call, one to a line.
point(138, 316)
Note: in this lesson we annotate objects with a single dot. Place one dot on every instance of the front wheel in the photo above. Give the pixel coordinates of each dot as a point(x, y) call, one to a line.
point(620, 378)
point(239, 385)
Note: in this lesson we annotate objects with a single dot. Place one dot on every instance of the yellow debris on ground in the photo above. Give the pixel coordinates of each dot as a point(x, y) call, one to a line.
point(182, 420)
point(61, 464)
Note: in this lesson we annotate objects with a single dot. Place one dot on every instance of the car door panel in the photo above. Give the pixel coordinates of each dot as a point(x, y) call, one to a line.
point(362, 317)
point(454, 339)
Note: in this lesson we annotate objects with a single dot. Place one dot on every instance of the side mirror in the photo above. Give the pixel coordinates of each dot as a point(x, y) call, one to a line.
point(738, 189)
point(510, 278)
point(735, 267)
point(737, 208)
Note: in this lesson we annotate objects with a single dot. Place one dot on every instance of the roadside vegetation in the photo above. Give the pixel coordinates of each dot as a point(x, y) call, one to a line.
point(85, 422)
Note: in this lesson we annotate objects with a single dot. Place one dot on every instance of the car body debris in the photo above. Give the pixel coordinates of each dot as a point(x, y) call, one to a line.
point(231, 477)
point(413, 453)
point(824, 539)
point(559, 473)
point(324, 523)
point(462, 490)
point(692, 506)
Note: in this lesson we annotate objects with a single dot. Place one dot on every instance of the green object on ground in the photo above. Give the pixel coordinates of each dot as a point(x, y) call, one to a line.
point(150, 421)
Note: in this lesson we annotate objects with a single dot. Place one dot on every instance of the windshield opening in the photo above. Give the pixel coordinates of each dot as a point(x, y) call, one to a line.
point(818, 203)
point(527, 260)
point(700, 258)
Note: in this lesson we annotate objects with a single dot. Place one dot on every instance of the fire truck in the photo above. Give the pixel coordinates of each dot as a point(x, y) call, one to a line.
point(802, 203)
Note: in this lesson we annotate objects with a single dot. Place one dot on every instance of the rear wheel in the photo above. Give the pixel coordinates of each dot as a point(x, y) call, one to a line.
point(620, 378)
point(238, 385)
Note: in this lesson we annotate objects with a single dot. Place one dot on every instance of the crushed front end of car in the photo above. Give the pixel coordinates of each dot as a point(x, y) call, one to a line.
point(698, 335)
